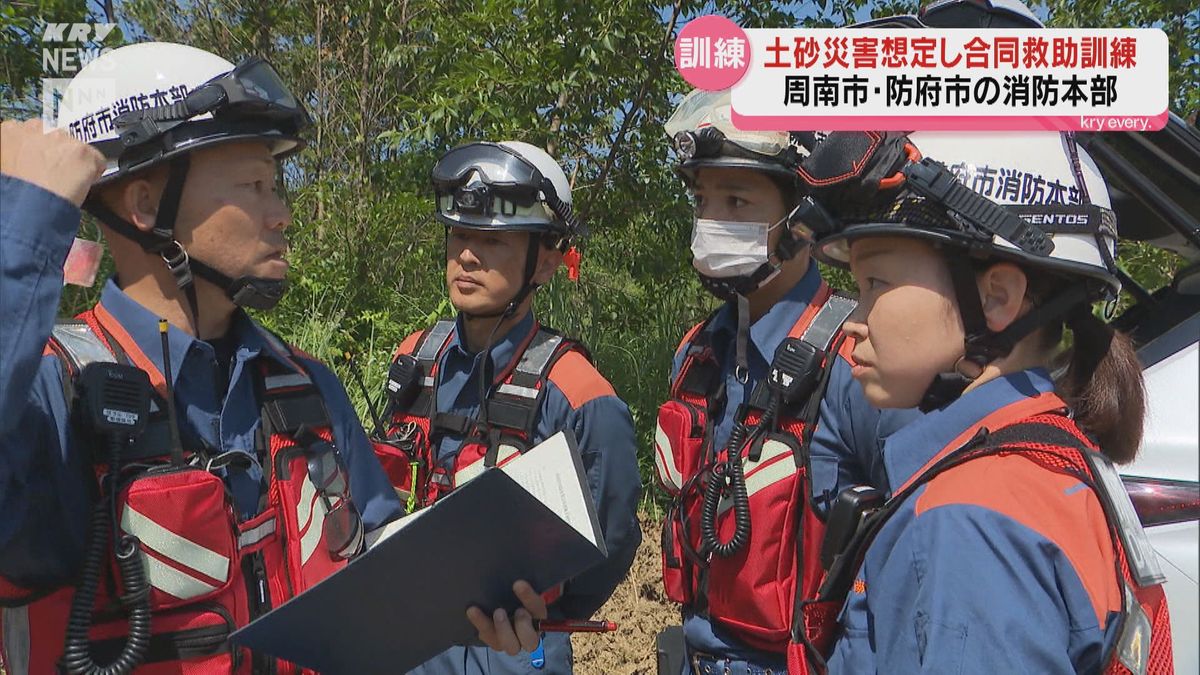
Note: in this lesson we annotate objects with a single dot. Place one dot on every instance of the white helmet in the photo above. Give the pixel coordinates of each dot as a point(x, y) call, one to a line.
point(152, 87)
point(509, 185)
point(1044, 179)
point(1035, 198)
point(703, 133)
point(153, 103)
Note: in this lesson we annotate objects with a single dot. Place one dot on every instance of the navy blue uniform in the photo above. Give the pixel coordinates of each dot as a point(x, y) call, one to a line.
point(580, 399)
point(844, 452)
point(45, 475)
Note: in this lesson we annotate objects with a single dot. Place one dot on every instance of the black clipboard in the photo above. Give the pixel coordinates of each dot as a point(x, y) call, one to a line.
point(405, 599)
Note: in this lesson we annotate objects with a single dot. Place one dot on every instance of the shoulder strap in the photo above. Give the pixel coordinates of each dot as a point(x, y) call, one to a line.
point(433, 340)
point(429, 349)
point(828, 321)
point(78, 345)
point(815, 305)
point(290, 399)
point(821, 331)
point(1031, 435)
point(697, 376)
point(281, 348)
point(693, 332)
point(516, 401)
point(412, 374)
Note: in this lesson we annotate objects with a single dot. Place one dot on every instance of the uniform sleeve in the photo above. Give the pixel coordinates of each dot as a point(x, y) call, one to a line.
point(844, 447)
point(369, 486)
point(604, 430)
point(1015, 577)
point(43, 482)
point(847, 445)
point(36, 229)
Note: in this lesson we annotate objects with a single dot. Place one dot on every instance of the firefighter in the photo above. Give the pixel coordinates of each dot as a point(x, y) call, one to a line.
point(1008, 543)
point(764, 425)
point(478, 390)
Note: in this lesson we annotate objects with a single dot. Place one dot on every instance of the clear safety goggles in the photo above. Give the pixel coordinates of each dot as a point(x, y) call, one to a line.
point(491, 179)
point(252, 90)
point(702, 122)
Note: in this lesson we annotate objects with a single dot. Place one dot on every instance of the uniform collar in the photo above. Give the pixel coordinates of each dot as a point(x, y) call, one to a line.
point(136, 330)
point(772, 327)
point(504, 348)
point(911, 447)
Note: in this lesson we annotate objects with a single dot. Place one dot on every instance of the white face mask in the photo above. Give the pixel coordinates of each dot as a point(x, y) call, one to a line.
point(722, 249)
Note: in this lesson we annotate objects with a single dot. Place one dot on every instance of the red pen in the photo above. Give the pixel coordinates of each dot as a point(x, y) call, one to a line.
point(569, 626)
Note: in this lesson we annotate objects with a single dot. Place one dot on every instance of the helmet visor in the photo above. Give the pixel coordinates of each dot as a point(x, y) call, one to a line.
point(701, 109)
point(251, 91)
point(256, 85)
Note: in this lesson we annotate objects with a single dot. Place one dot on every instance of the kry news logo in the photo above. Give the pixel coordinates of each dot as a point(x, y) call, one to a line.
point(67, 60)
point(66, 49)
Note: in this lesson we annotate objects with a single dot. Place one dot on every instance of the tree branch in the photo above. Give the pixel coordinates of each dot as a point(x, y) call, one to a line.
point(627, 121)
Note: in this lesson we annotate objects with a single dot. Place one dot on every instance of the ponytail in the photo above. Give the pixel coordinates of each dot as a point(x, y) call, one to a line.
point(1103, 385)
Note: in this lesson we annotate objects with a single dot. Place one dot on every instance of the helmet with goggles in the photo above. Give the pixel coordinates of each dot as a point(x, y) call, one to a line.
point(153, 103)
point(511, 186)
point(1035, 198)
point(703, 134)
point(143, 104)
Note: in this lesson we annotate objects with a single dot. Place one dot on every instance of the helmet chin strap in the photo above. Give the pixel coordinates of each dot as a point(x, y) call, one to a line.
point(982, 345)
point(245, 291)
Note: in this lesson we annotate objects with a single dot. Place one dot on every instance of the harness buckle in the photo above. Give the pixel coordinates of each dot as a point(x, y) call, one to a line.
point(178, 262)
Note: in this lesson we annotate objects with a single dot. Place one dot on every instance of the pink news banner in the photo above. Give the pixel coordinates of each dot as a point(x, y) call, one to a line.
point(849, 79)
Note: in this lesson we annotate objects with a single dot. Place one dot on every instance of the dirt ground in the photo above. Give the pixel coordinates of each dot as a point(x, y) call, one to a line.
point(640, 610)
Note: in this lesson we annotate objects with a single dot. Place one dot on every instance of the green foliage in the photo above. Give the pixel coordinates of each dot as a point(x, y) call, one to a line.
point(393, 84)
point(22, 61)
point(1179, 19)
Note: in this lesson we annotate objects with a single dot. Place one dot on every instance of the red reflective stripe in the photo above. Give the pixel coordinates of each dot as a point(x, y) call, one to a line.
point(1014, 412)
point(101, 317)
point(770, 462)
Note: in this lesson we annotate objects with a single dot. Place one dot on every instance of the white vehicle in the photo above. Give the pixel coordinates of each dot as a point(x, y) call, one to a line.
point(1154, 179)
